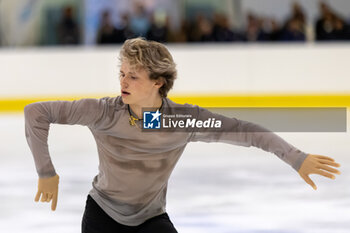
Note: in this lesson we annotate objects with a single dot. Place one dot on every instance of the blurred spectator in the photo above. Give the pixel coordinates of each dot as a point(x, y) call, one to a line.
point(341, 29)
point(205, 30)
point(254, 30)
point(159, 29)
point(331, 26)
point(108, 33)
point(324, 25)
point(221, 30)
point(139, 22)
point(298, 15)
point(201, 29)
point(68, 30)
point(272, 29)
point(193, 30)
point(294, 29)
point(125, 26)
point(180, 35)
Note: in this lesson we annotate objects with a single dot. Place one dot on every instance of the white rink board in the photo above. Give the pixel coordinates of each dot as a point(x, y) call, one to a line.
point(225, 68)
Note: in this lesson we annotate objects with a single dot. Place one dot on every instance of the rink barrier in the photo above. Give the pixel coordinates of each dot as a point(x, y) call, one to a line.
point(18, 104)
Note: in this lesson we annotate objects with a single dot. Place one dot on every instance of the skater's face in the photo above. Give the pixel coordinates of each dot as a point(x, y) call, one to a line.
point(136, 86)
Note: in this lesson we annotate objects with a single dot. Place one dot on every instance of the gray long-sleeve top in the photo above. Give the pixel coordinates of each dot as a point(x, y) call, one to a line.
point(134, 166)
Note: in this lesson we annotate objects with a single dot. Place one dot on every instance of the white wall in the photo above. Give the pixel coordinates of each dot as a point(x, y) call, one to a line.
point(214, 69)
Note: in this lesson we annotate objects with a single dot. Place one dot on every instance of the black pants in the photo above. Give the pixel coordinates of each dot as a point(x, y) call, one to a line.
point(95, 220)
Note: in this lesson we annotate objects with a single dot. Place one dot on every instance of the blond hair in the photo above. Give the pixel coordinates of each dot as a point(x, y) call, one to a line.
point(152, 56)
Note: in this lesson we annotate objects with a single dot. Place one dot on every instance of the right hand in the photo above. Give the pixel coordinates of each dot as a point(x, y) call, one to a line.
point(318, 164)
point(48, 190)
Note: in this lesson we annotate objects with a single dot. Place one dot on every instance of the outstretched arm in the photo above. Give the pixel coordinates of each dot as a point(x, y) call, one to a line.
point(245, 133)
point(318, 164)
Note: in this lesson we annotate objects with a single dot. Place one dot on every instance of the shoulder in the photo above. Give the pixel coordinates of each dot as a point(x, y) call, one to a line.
point(114, 103)
point(172, 104)
point(182, 109)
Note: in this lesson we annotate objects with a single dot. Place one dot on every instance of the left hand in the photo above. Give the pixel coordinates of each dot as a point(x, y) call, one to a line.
point(48, 190)
point(318, 164)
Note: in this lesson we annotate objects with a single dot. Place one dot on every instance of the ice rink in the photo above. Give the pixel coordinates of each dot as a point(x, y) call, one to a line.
point(215, 188)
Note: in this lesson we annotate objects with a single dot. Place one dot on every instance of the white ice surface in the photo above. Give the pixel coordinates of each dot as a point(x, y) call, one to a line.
point(215, 188)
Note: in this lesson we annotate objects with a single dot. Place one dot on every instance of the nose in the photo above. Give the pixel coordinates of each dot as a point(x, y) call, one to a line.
point(123, 82)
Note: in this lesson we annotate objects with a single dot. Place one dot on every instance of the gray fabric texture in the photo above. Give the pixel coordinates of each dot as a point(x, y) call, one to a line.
point(134, 166)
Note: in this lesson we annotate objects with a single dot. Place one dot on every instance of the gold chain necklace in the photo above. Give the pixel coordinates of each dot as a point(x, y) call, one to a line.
point(133, 120)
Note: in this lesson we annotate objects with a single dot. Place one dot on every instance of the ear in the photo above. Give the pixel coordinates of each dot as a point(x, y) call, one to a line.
point(159, 82)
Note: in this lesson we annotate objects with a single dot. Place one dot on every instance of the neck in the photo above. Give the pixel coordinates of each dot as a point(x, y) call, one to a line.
point(137, 108)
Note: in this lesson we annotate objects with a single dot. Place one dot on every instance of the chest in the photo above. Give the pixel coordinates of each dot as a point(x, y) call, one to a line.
point(120, 133)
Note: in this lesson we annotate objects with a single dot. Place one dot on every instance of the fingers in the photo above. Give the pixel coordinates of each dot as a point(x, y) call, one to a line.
point(309, 181)
point(325, 174)
point(44, 197)
point(49, 197)
point(327, 168)
point(54, 202)
point(334, 164)
point(37, 196)
point(324, 161)
point(324, 157)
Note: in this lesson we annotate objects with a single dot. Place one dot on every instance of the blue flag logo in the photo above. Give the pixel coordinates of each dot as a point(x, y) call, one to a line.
point(151, 120)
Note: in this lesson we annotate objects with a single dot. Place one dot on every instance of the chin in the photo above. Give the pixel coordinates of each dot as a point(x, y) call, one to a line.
point(128, 100)
point(125, 100)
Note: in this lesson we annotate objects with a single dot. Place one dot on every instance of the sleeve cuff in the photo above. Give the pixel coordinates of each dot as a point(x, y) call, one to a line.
point(298, 157)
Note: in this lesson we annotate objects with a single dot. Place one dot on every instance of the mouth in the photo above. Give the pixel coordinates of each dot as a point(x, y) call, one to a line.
point(125, 93)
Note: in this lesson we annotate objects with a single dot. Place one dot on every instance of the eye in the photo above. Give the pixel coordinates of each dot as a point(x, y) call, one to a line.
point(133, 77)
point(121, 75)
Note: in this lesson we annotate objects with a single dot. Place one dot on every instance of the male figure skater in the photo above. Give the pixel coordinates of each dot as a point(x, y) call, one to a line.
point(129, 192)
